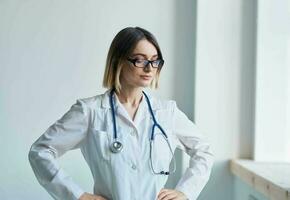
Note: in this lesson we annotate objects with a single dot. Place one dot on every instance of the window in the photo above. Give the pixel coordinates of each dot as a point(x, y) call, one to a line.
point(272, 107)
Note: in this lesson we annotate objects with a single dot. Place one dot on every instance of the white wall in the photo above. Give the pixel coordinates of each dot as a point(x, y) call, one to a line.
point(225, 71)
point(53, 52)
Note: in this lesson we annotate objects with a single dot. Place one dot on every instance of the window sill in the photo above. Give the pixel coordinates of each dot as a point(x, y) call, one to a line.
point(271, 179)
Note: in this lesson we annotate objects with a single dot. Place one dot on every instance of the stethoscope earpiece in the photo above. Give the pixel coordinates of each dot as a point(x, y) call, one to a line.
point(164, 173)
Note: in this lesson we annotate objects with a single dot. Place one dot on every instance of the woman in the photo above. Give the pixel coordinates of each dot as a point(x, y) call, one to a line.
point(126, 136)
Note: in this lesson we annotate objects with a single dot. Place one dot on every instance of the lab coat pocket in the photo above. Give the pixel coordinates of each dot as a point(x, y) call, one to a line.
point(101, 144)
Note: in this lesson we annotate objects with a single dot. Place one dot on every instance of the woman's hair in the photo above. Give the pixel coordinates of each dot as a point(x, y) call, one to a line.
point(121, 47)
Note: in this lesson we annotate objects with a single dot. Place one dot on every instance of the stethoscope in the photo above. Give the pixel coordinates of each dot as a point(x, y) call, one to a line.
point(117, 146)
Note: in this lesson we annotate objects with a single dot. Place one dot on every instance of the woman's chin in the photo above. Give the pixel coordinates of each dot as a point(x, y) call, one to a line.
point(145, 83)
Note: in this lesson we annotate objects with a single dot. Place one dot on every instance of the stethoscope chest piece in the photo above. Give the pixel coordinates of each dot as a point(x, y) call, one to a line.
point(116, 147)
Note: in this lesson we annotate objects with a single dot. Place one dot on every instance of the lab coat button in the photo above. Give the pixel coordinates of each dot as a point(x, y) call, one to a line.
point(134, 166)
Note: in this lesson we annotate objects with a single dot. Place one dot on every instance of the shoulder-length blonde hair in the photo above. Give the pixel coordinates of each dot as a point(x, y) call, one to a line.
point(121, 47)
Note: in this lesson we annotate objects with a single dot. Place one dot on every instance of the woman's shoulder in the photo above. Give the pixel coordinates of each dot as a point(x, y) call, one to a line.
point(159, 103)
point(95, 101)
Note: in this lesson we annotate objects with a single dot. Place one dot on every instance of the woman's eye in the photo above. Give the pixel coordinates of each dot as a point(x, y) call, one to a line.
point(139, 61)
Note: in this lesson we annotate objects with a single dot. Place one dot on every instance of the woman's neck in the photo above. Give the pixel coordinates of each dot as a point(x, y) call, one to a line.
point(130, 96)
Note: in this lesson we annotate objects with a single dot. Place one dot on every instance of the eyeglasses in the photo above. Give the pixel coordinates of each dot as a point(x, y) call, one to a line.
point(141, 63)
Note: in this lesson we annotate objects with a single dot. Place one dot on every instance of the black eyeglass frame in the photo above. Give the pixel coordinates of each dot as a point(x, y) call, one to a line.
point(133, 61)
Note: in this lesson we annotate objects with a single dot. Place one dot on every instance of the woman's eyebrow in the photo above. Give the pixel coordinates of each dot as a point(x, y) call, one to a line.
point(144, 55)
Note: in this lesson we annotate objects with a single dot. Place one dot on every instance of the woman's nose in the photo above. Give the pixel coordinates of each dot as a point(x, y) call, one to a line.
point(148, 68)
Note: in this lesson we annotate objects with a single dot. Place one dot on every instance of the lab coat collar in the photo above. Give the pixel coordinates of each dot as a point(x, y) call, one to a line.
point(105, 102)
point(121, 111)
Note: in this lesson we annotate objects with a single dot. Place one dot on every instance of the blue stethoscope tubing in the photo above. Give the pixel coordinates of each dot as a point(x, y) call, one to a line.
point(117, 146)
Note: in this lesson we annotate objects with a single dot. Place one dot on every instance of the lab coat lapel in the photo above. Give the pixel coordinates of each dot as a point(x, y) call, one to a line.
point(120, 109)
point(142, 112)
point(122, 112)
point(105, 102)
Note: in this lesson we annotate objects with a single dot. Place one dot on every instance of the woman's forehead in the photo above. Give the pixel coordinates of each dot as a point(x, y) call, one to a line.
point(145, 48)
point(145, 55)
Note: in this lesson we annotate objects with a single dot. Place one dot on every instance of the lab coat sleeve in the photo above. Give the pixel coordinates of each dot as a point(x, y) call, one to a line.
point(65, 134)
point(190, 140)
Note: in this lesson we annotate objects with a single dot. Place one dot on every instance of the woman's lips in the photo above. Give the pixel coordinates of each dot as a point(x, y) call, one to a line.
point(146, 77)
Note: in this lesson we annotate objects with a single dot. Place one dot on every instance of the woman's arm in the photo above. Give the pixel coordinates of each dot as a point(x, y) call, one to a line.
point(65, 134)
point(190, 140)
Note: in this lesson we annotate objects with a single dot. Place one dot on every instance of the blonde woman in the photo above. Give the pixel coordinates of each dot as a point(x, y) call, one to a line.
point(126, 136)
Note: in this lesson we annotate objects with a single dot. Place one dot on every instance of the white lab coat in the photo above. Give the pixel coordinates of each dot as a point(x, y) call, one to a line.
point(126, 175)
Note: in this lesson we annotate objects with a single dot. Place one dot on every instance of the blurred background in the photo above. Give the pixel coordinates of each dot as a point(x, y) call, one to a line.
point(226, 64)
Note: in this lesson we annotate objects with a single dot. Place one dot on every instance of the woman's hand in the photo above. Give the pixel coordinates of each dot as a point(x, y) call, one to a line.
point(166, 194)
point(87, 196)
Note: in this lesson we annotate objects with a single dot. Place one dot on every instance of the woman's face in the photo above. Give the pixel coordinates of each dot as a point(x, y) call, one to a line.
point(135, 77)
